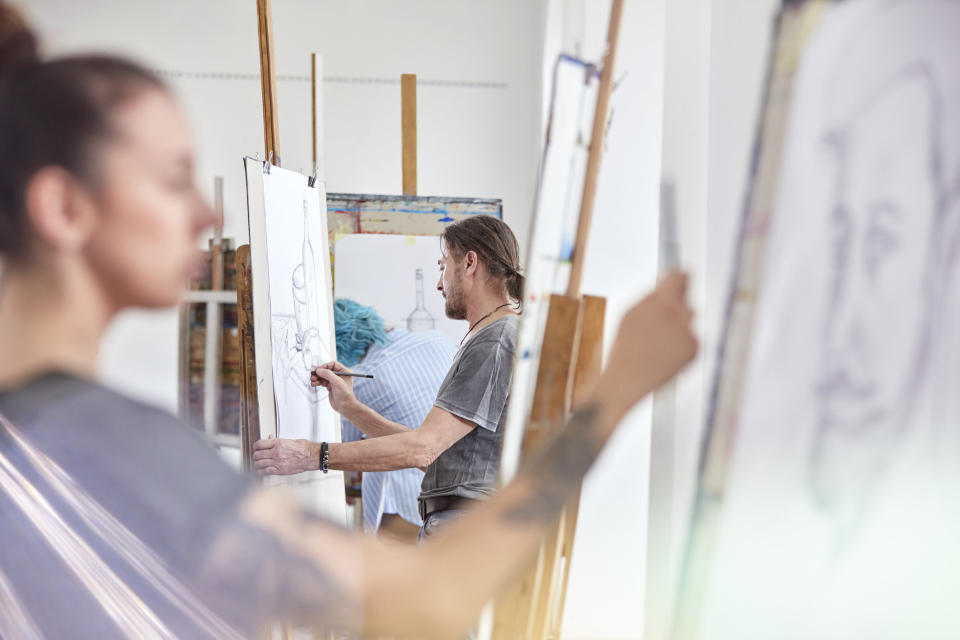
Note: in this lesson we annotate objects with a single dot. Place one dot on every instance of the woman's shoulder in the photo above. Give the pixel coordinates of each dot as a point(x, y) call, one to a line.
point(61, 396)
point(96, 430)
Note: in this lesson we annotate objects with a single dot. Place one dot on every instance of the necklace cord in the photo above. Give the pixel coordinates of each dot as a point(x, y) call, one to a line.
point(474, 325)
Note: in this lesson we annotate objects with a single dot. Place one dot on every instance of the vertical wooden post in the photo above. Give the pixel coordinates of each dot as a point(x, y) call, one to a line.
point(314, 81)
point(250, 423)
point(515, 608)
point(596, 149)
point(589, 365)
point(183, 361)
point(216, 260)
point(570, 359)
point(408, 132)
point(268, 81)
point(213, 352)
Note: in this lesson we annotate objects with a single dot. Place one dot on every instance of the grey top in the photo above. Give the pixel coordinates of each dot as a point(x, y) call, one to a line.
point(168, 493)
point(476, 389)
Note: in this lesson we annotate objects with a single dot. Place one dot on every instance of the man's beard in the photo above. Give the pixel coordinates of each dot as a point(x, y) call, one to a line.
point(453, 304)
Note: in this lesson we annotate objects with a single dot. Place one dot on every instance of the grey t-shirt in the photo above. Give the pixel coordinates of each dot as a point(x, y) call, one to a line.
point(476, 389)
point(168, 491)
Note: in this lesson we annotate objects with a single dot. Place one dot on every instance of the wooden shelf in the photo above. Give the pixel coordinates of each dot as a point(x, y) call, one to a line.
point(220, 297)
point(215, 304)
point(225, 439)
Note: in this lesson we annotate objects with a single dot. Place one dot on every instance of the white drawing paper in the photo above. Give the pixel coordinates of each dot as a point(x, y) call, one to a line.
point(293, 321)
point(300, 311)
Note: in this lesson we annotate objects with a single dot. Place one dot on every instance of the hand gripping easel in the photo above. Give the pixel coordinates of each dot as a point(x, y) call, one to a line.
point(570, 357)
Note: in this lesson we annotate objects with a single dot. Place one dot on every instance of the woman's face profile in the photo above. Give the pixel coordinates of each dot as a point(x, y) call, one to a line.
point(150, 213)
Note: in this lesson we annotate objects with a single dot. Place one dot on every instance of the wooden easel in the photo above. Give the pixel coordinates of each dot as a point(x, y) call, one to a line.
point(250, 423)
point(570, 357)
point(250, 420)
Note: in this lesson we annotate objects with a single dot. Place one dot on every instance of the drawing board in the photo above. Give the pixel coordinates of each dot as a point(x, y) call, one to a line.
point(293, 318)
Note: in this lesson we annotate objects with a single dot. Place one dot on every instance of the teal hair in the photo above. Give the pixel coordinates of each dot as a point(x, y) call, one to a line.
point(357, 328)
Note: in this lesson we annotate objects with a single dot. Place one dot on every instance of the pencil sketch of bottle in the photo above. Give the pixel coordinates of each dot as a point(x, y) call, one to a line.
point(306, 307)
point(420, 319)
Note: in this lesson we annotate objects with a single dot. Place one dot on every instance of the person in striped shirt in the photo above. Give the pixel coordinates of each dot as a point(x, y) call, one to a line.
point(407, 369)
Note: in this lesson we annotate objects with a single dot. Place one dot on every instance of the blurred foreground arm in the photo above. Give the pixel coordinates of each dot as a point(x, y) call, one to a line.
point(361, 583)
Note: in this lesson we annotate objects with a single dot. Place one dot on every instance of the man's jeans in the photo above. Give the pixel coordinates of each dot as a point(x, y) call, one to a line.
point(436, 522)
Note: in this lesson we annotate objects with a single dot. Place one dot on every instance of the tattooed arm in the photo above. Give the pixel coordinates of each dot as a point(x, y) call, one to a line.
point(476, 556)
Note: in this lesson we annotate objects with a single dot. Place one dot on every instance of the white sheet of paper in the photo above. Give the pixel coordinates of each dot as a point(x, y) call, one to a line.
point(301, 326)
point(288, 232)
point(379, 271)
point(842, 512)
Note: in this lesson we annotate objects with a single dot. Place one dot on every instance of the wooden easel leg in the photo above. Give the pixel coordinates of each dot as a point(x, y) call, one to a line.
point(549, 578)
point(573, 343)
point(589, 364)
point(570, 523)
point(249, 412)
point(514, 609)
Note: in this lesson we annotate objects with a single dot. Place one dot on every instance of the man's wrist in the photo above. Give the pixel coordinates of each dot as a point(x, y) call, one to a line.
point(313, 460)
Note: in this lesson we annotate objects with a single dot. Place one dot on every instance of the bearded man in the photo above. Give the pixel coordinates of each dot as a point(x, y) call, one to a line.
point(458, 444)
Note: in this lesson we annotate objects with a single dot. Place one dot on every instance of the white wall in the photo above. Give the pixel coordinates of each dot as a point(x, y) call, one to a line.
point(476, 140)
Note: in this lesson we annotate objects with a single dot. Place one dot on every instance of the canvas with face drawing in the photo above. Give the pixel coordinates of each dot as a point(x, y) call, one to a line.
point(839, 515)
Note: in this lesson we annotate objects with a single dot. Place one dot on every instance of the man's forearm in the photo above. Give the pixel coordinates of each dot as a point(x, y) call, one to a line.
point(387, 453)
point(372, 423)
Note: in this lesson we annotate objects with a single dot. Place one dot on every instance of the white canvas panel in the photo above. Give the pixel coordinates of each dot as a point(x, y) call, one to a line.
point(293, 321)
point(842, 511)
point(301, 313)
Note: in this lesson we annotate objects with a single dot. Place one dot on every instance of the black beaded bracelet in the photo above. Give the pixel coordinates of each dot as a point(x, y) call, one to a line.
point(324, 457)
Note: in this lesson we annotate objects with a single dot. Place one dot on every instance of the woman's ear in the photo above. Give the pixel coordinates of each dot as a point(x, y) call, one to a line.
point(59, 208)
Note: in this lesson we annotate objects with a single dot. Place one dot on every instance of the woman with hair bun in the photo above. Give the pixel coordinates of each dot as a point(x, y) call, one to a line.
point(118, 520)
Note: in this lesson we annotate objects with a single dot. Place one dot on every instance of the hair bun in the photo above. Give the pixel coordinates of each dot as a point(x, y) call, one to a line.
point(18, 46)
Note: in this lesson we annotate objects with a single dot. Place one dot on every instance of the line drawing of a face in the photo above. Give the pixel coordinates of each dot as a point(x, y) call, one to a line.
point(888, 210)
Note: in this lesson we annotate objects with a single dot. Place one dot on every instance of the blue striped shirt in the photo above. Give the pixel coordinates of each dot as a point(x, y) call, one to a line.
point(407, 373)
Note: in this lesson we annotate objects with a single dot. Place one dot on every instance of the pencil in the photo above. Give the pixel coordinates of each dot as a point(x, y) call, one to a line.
point(344, 374)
